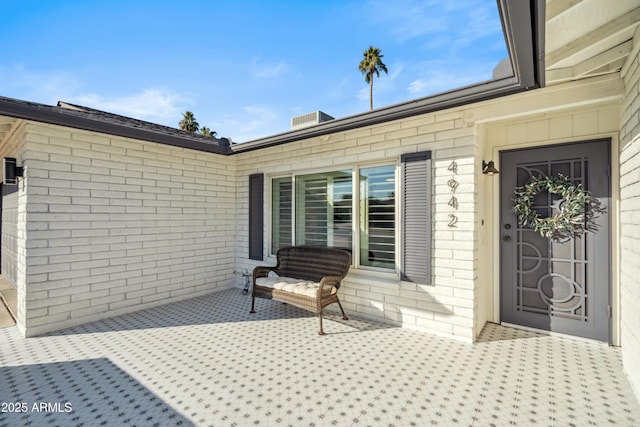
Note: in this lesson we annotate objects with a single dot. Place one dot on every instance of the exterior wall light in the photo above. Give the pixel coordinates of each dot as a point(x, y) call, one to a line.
point(11, 171)
point(489, 168)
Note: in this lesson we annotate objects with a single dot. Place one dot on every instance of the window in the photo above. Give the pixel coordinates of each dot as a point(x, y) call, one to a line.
point(281, 216)
point(319, 210)
point(358, 210)
point(324, 209)
point(378, 216)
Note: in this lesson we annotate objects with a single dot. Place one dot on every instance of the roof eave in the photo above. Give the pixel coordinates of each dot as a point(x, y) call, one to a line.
point(469, 95)
point(523, 27)
point(56, 116)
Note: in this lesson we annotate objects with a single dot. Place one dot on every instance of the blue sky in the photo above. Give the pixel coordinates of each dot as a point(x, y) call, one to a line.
point(244, 68)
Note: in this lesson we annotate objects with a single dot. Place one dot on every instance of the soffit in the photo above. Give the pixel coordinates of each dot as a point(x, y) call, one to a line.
point(6, 124)
point(586, 38)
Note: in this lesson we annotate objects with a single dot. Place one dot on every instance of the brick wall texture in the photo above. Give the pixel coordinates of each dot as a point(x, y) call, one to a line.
point(115, 225)
point(446, 305)
point(630, 218)
point(111, 225)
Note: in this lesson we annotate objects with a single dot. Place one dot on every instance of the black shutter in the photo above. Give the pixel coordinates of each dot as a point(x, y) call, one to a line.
point(416, 217)
point(256, 216)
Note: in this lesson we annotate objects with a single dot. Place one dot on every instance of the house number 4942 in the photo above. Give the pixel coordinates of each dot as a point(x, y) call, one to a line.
point(453, 201)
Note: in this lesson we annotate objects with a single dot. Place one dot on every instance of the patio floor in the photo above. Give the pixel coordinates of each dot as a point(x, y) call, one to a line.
point(8, 301)
point(208, 362)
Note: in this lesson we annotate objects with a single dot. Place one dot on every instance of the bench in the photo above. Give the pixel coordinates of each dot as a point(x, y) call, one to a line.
point(305, 276)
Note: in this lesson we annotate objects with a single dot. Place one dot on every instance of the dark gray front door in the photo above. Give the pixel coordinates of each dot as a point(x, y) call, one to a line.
point(560, 286)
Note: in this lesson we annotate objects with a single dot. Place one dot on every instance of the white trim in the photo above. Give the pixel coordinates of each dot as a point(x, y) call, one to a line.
point(268, 214)
point(616, 233)
point(614, 223)
point(355, 214)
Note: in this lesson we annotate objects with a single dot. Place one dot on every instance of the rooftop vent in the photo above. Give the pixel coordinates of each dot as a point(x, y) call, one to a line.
point(310, 119)
point(503, 69)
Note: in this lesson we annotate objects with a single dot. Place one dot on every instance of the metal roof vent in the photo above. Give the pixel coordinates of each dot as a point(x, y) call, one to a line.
point(503, 69)
point(309, 119)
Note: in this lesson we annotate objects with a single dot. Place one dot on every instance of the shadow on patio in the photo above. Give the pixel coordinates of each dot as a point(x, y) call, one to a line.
point(204, 363)
point(90, 392)
point(229, 306)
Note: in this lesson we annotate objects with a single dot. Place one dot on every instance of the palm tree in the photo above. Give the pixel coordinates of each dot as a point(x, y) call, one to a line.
point(370, 65)
point(189, 122)
point(208, 132)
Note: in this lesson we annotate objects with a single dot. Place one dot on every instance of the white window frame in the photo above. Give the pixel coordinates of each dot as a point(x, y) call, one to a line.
point(355, 212)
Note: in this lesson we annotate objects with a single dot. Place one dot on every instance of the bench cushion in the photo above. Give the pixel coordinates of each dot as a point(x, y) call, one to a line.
point(291, 284)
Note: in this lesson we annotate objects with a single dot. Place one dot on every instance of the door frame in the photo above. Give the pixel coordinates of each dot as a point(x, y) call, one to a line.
point(491, 187)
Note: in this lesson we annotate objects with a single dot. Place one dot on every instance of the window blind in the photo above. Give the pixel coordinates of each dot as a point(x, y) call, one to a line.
point(416, 217)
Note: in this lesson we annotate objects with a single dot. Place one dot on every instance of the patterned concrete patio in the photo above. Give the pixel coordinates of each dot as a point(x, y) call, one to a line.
point(8, 303)
point(208, 362)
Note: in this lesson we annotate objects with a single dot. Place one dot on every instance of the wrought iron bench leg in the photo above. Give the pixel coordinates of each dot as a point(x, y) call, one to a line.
point(344, 316)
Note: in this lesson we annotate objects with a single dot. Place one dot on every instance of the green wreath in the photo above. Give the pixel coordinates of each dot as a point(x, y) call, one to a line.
point(575, 211)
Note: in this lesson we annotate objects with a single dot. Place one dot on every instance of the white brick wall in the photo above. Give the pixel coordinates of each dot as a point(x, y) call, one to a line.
point(564, 125)
point(445, 306)
point(13, 147)
point(9, 242)
point(116, 225)
point(460, 299)
point(630, 217)
point(10, 238)
point(111, 225)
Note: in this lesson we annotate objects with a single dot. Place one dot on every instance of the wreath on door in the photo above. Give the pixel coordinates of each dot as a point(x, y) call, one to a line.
point(575, 210)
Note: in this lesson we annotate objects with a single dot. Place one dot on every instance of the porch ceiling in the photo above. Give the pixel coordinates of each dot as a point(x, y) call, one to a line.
point(6, 124)
point(586, 38)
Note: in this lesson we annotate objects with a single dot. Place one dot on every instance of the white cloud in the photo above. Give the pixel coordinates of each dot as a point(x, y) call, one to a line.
point(363, 94)
point(396, 71)
point(338, 88)
point(418, 86)
point(382, 86)
point(406, 19)
point(45, 87)
point(260, 117)
point(158, 105)
point(254, 122)
point(441, 77)
point(267, 69)
point(457, 23)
